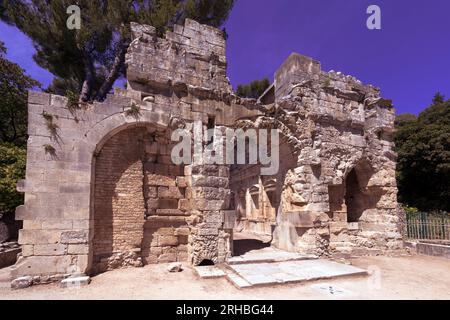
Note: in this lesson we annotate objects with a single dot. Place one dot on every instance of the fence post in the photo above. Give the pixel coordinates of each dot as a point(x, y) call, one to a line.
point(443, 214)
point(423, 218)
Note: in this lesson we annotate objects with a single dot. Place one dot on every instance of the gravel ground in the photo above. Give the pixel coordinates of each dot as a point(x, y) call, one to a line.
point(408, 277)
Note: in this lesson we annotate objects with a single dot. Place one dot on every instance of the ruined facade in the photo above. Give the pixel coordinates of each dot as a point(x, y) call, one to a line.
point(102, 192)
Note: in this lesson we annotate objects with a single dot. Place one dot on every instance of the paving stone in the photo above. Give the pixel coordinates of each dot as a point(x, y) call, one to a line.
point(293, 271)
point(209, 271)
point(269, 255)
point(238, 281)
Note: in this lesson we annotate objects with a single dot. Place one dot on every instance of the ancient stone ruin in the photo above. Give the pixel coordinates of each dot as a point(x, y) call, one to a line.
point(102, 192)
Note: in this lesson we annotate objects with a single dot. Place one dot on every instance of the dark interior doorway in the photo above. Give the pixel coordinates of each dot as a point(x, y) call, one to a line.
point(244, 242)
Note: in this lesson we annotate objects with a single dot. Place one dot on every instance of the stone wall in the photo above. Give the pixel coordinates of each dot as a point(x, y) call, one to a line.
point(59, 213)
point(345, 173)
point(101, 191)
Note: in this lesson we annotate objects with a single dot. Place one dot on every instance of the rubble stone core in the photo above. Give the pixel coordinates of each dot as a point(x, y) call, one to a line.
point(101, 191)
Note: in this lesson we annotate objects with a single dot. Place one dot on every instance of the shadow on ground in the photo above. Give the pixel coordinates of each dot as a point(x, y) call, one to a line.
point(243, 246)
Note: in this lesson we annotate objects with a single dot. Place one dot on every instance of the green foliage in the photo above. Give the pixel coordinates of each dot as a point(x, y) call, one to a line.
point(423, 147)
point(50, 150)
point(51, 126)
point(12, 169)
point(253, 90)
point(438, 98)
point(73, 99)
point(134, 111)
point(410, 210)
point(13, 101)
point(89, 60)
point(210, 12)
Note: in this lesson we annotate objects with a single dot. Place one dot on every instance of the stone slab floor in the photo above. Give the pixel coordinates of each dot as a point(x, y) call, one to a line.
point(293, 271)
point(407, 277)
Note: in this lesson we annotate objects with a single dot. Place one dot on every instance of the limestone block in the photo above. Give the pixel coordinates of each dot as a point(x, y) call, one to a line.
point(39, 236)
point(208, 231)
point(167, 257)
point(27, 250)
point(160, 180)
point(182, 231)
point(209, 181)
point(182, 256)
point(211, 193)
point(170, 212)
point(57, 224)
point(50, 249)
point(42, 265)
point(168, 240)
point(32, 225)
point(75, 282)
point(74, 237)
point(338, 227)
point(166, 231)
point(229, 219)
point(84, 224)
point(211, 205)
point(184, 205)
point(40, 98)
point(82, 264)
point(78, 249)
point(214, 216)
point(169, 192)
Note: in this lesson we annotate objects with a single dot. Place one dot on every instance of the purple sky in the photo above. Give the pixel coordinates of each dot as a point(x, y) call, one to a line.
point(409, 59)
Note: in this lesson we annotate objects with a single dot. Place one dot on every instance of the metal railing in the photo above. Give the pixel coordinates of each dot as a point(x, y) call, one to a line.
point(428, 226)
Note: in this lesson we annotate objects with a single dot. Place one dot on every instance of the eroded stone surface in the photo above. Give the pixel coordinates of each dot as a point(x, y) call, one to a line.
point(22, 282)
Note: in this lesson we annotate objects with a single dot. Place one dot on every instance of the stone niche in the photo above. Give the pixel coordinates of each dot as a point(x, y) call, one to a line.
point(101, 190)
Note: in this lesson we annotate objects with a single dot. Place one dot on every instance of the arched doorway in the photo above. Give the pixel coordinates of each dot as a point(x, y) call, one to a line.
point(358, 196)
point(139, 201)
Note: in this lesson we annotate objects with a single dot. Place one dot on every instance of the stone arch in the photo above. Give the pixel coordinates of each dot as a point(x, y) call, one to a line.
point(111, 125)
point(133, 182)
point(358, 196)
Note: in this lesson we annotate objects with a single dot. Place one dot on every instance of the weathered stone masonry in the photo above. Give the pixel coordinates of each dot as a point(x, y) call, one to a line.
point(101, 191)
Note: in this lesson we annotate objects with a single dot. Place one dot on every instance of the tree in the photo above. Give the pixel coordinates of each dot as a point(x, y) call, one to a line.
point(13, 137)
point(423, 147)
point(254, 89)
point(88, 61)
point(12, 168)
point(13, 102)
point(438, 98)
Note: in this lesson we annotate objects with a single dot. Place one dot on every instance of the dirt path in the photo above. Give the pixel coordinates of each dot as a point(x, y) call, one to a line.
point(415, 277)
